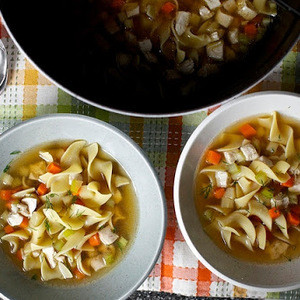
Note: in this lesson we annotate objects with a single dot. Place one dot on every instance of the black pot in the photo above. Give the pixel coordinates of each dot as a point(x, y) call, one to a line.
point(56, 37)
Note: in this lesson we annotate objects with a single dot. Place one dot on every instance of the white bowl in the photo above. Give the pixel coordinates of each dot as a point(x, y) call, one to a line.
point(140, 259)
point(262, 277)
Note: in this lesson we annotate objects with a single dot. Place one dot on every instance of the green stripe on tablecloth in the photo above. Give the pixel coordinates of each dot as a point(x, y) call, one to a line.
point(288, 72)
point(273, 295)
point(64, 102)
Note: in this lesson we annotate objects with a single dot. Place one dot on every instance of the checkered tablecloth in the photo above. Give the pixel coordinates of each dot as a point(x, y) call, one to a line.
point(30, 94)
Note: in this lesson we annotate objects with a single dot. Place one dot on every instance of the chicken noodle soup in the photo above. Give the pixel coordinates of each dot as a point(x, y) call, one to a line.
point(191, 36)
point(247, 189)
point(68, 211)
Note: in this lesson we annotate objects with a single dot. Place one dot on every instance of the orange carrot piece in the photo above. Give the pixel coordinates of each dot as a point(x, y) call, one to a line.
point(247, 131)
point(54, 168)
point(42, 189)
point(6, 194)
point(274, 212)
point(95, 240)
point(24, 223)
point(8, 204)
point(213, 157)
point(289, 183)
point(19, 254)
point(219, 193)
point(8, 229)
point(293, 219)
point(78, 275)
point(250, 30)
point(168, 7)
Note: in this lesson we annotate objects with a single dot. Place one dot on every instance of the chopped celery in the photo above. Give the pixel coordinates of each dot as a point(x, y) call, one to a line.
point(75, 186)
point(261, 178)
point(58, 245)
point(109, 258)
point(208, 214)
point(68, 232)
point(243, 39)
point(233, 168)
point(267, 193)
point(122, 242)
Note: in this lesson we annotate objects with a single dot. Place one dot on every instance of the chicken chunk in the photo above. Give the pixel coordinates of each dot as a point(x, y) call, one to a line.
point(266, 161)
point(280, 200)
point(212, 4)
point(277, 249)
point(249, 152)
point(296, 187)
point(14, 219)
point(222, 179)
point(230, 156)
point(98, 262)
point(107, 236)
point(182, 21)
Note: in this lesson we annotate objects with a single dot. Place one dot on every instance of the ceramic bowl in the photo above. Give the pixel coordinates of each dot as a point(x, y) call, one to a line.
point(261, 277)
point(144, 251)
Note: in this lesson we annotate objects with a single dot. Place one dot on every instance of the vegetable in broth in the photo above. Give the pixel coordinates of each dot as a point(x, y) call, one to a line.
point(247, 189)
point(67, 211)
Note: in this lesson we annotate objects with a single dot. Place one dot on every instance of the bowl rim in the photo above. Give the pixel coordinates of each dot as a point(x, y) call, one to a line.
point(137, 148)
point(176, 188)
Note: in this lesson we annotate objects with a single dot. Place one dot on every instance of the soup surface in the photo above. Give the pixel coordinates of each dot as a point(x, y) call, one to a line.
point(67, 211)
point(247, 189)
point(186, 36)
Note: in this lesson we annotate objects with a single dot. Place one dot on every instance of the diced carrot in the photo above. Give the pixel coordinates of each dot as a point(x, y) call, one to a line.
point(54, 168)
point(79, 202)
point(219, 193)
point(8, 229)
point(8, 204)
point(293, 219)
point(19, 254)
point(247, 131)
point(295, 209)
point(95, 240)
point(6, 194)
point(274, 212)
point(24, 223)
point(213, 157)
point(250, 30)
point(168, 7)
point(117, 4)
point(289, 183)
point(42, 189)
point(78, 275)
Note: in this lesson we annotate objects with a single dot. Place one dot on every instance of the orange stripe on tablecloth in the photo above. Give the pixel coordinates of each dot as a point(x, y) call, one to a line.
point(203, 280)
point(185, 273)
point(172, 156)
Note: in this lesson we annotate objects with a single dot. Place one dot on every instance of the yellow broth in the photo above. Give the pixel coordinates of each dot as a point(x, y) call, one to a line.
point(203, 194)
point(124, 219)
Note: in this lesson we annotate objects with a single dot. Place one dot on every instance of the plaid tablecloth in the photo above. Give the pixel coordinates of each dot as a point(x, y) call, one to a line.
point(30, 94)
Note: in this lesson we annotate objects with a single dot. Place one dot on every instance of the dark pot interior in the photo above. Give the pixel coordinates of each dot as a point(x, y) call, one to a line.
point(58, 40)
